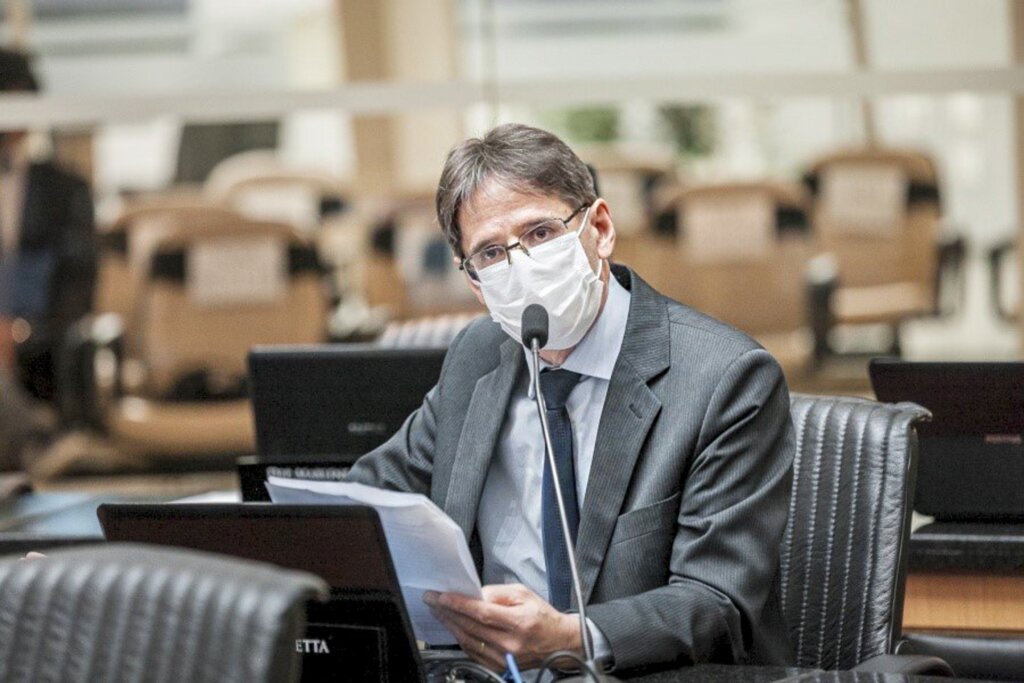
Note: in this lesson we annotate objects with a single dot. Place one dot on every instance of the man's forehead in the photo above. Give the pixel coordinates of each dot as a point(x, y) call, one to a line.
point(494, 200)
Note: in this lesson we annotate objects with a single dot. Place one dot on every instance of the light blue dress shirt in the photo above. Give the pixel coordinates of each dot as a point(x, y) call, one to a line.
point(509, 516)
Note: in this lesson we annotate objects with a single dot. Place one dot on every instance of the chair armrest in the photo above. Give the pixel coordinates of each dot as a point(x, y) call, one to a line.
point(90, 370)
point(985, 656)
point(822, 277)
point(996, 257)
point(920, 665)
point(950, 280)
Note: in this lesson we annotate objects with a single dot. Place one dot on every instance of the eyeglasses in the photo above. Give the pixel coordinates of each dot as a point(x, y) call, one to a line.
point(493, 254)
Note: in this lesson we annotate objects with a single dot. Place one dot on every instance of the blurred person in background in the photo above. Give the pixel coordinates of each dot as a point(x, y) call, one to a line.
point(47, 247)
point(21, 425)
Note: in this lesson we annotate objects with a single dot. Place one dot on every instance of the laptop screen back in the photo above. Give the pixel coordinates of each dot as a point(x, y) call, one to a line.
point(344, 545)
point(362, 632)
point(972, 451)
point(331, 401)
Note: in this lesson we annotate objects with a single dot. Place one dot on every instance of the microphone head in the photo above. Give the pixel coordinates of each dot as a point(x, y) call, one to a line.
point(535, 326)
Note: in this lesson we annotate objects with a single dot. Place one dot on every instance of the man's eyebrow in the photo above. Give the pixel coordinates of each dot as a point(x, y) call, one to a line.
point(524, 224)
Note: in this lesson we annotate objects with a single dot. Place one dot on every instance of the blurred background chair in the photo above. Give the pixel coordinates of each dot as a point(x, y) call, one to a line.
point(843, 557)
point(878, 213)
point(630, 184)
point(124, 245)
point(259, 185)
point(132, 612)
point(741, 254)
point(125, 250)
point(1004, 274)
point(411, 272)
point(206, 298)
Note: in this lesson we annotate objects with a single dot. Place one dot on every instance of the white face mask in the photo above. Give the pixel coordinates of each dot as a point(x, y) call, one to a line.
point(557, 275)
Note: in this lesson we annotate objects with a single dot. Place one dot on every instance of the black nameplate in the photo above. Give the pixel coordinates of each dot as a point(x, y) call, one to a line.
point(349, 652)
point(358, 636)
point(253, 473)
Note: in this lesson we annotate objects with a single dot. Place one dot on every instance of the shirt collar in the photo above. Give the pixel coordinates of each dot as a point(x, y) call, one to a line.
point(597, 352)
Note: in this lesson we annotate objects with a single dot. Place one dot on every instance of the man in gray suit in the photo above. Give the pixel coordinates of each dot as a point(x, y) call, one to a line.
point(672, 431)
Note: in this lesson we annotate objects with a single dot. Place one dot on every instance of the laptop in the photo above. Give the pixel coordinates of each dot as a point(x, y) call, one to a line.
point(335, 401)
point(318, 408)
point(971, 461)
point(362, 633)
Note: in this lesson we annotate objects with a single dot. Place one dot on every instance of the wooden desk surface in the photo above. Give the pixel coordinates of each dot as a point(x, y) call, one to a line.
point(966, 577)
point(964, 601)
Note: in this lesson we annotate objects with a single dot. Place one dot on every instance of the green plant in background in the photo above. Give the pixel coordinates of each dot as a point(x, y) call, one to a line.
point(690, 127)
point(586, 124)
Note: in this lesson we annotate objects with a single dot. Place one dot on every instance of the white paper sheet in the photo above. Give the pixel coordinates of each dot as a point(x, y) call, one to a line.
point(428, 548)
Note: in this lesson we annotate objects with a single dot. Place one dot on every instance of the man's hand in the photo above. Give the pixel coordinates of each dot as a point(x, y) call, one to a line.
point(510, 618)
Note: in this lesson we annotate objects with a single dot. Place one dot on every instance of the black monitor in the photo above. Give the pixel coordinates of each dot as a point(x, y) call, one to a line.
point(334, 402)
point(972, 450)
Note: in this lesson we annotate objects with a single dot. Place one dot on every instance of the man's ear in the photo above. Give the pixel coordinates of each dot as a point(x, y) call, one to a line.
point(475, 286)
point(605, 227)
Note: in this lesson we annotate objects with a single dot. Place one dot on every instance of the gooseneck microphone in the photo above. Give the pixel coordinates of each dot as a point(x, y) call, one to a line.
point(535, 327)
point(535, 336)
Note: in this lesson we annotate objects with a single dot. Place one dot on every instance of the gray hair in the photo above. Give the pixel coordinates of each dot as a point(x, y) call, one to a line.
point(521, 158)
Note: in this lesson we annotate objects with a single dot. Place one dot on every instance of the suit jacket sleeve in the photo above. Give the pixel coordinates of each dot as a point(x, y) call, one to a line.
point(406, 461)
point(725, 552)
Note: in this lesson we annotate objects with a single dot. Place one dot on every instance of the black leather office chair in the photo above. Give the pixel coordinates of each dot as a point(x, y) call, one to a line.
point(131, 612)
point(844, 561)
point(988, 657)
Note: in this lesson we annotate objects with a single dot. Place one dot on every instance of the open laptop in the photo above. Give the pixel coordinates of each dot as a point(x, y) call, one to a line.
point(335, 401)
point(972, 451)
point(362, 634)
point(318, 408)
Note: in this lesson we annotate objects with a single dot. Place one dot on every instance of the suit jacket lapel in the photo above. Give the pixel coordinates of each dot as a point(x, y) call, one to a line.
point(477, 443)
point(630, 408)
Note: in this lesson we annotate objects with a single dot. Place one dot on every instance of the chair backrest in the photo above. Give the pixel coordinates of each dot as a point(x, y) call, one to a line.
point(125, 247)
point(843, 558)
point(628, 183)
point(131, 612)
point(878, 211)
point(211, 295)
point(433, 284)
point(743, 249)
point(259, 185)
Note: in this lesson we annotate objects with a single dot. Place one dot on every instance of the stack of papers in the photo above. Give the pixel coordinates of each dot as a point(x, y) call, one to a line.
point(428, 548)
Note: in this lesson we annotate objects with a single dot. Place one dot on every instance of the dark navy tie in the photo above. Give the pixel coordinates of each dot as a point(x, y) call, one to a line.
point(556, 385)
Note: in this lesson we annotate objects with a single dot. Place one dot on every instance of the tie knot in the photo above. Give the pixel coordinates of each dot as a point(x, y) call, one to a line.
point(556, 386)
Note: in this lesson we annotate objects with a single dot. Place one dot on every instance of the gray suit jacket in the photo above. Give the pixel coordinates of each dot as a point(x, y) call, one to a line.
point(688, 492)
